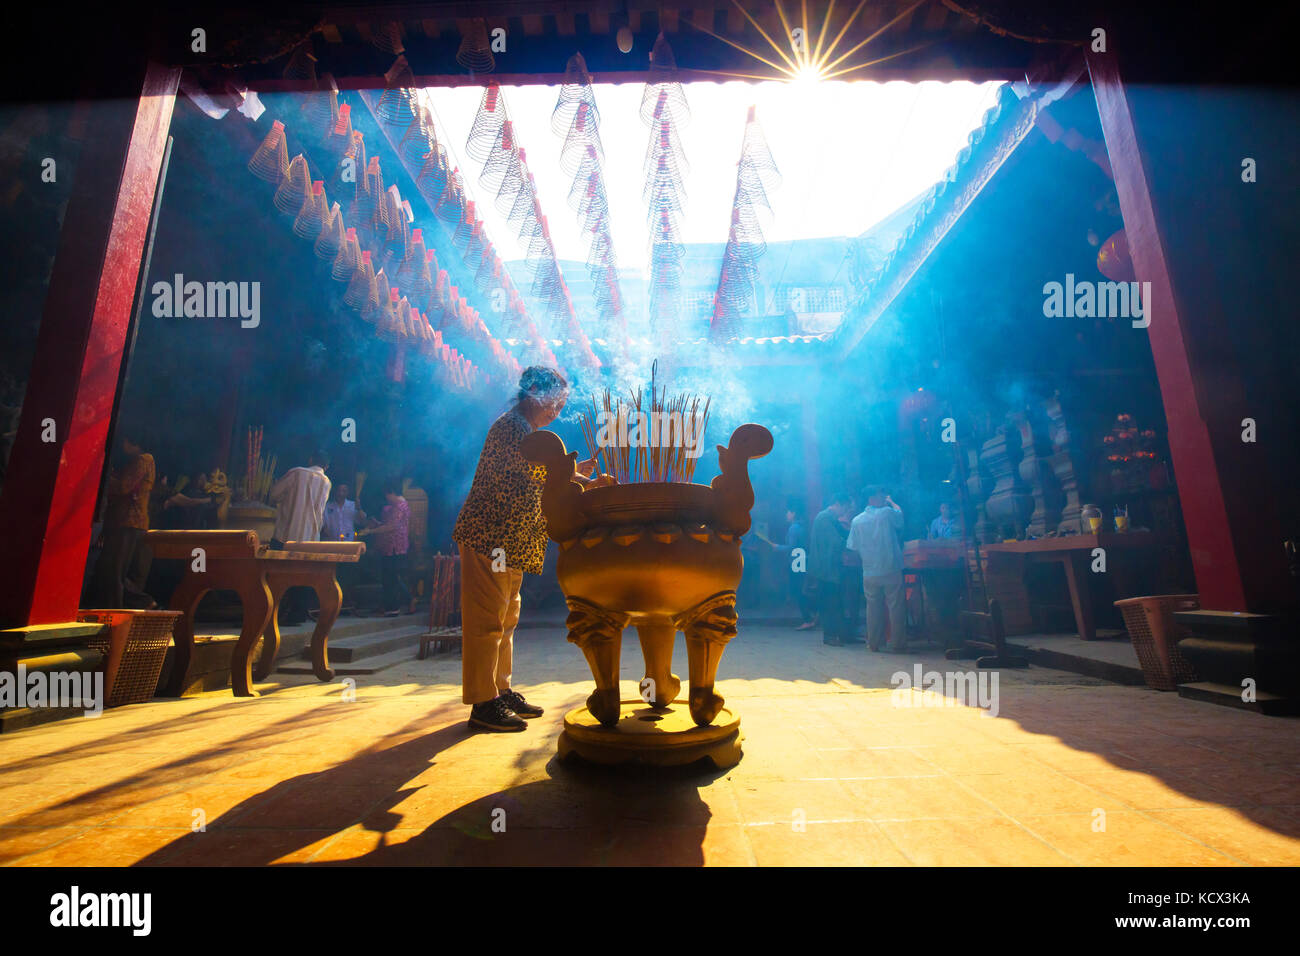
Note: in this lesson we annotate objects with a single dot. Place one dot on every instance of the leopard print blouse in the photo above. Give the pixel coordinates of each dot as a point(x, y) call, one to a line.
point(504, 506)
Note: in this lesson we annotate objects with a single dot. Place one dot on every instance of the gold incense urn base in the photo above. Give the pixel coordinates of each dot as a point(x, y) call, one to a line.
point(653, 736)
point(662, 557)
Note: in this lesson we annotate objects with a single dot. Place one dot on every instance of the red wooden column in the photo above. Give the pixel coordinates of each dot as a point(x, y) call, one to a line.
point(1215, 557)
point(48, 500)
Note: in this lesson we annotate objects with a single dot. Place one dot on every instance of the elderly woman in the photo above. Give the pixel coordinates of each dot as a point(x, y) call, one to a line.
point(501, 534)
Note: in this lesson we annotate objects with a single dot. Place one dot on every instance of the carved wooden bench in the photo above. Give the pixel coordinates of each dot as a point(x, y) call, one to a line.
point(237, 561)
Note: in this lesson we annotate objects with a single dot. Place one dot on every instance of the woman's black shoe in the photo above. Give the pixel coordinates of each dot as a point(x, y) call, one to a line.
point(494, 715)
point(515, 701)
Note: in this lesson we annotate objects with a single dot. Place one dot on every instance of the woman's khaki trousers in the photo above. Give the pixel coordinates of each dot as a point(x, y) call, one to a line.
point(489, 608)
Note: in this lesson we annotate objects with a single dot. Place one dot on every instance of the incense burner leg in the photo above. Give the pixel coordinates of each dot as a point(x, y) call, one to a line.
point(661, 685)
point(598, 632)
point(708, 626)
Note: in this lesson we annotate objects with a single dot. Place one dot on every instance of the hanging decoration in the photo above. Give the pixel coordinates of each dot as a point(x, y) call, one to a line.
point(756, 173)
point(577, 119)
point(505, 172)
point(664, 110)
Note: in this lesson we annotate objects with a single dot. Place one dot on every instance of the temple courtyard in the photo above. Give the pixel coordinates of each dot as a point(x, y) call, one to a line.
point(836, 771)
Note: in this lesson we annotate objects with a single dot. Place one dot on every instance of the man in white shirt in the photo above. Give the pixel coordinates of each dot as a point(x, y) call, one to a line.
point(299, 498)
point(874, 536)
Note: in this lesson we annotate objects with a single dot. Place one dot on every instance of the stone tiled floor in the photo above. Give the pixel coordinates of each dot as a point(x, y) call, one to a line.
point(1071, 771)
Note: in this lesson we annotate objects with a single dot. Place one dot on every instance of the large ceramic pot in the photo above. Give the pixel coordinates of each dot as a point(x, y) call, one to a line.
point(662, 557)
point(251, 516)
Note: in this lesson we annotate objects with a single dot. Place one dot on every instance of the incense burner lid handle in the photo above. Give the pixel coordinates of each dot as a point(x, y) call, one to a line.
point(561, 495)
point(734, 495)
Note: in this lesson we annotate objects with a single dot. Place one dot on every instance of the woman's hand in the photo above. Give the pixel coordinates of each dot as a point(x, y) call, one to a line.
point(585, 468)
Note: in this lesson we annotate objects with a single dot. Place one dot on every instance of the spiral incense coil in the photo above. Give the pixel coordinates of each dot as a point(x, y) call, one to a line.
point(503, 171)
point(311, 216)
point(475, 52)
point(583, 136)
point(398, 103)
point(320, 109)
point(465, 227)
point(331, 235)
point(270, 161)
point(409, 270)
point(475, 247)
point(362, 282)
point(385, 36)
point(417, 142)
point(450, 206)
point(433, 175)
point(488, 121)
point(340, 137)
point(576, 91)
point(349, 170)
point(348, 259)
point(296, 187)
point(301, 64)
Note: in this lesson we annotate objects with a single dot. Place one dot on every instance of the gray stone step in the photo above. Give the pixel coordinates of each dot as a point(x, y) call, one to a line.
point(366, 665)
point(359, 646)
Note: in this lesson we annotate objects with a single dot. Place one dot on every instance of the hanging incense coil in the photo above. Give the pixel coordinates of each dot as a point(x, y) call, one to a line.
point(433, 175)
point(475, 53)
point(465, 227)
point(361, 283)
point(331, 235)
point(301, 64)
point(320, 109)
point(475, 247)
point(311, 216)
point(385, 36)
point(341, 135)
point(574, 92)
point(583, 137)
point(450, 206)
point(349, 171)
point(270, 161)
point(488, 120)
point(296, 187)
point(348, 259)
point(417, 142)
point(398, 104)
point(397, 230)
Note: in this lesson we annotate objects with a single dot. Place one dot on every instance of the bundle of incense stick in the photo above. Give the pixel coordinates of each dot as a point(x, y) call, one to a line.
point(654, 457)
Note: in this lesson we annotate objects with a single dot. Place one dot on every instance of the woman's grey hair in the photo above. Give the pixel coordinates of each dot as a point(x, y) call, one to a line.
point(543, 385)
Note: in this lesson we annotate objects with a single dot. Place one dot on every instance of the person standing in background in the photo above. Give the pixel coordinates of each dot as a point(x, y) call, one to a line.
point(943, 526)
point(126, 519)
point(827, 544)
point(796, 538)
point(299, 498)
point(394, 533)
point(341, 516)
point(874, 536)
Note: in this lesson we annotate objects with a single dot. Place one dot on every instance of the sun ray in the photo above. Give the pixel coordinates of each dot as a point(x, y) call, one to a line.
point(821, 34)
point(860, 66)
point(839, 36)
point(763, 34)
point(747, 51)
point(789, 33)
point(805, 57)
point(859, 46)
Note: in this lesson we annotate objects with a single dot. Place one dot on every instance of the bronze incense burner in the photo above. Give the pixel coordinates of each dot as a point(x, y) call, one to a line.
point(663, 557)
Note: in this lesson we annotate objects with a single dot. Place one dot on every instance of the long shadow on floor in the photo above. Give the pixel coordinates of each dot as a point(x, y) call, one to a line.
point(579, 815)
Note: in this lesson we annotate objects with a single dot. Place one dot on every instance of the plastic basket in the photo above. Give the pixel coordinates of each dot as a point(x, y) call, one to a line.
point(133, 644)
point(1150, 623)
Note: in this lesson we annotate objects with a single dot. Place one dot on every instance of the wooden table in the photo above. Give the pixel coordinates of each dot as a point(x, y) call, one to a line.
point(237, 561)
point(1075, 555)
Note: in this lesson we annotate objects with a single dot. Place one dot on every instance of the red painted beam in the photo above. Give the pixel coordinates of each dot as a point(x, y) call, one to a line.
point(1200, 487)
point(49, 495)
